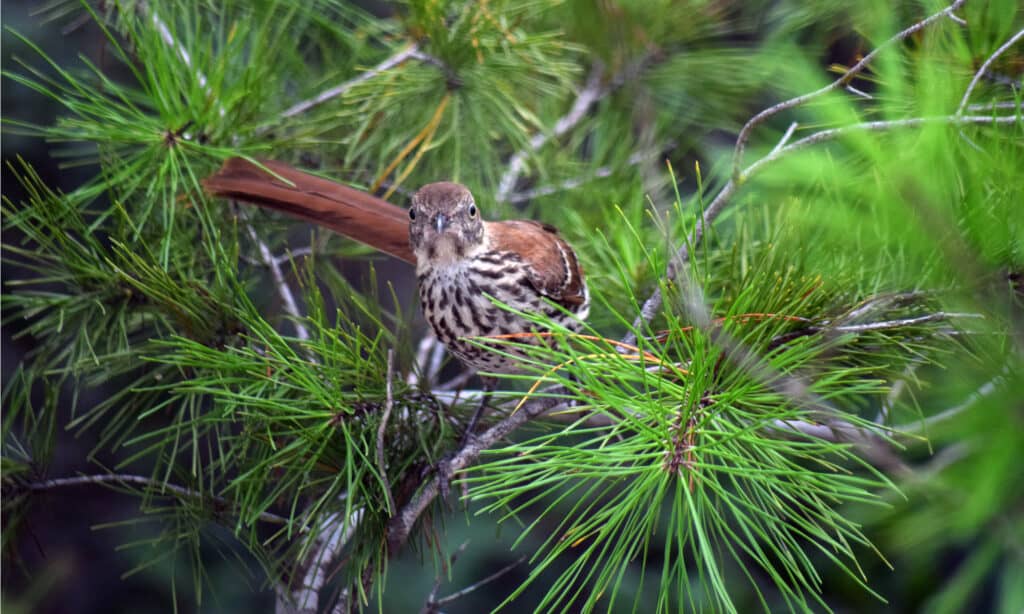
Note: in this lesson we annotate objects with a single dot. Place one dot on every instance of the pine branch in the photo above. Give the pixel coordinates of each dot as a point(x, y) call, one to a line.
point(593, 91)
point(280, 283)
point(984, 69)
point(158, 487)
point(842, 81)
point(410, 52)
point(402, 523)
point(334, 534)
point(729, 415)
point(652, 305)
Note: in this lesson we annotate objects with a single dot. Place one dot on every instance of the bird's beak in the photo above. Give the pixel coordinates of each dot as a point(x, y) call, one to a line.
point(440, 222)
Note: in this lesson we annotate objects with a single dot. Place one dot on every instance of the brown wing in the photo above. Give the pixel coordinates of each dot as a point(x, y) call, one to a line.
point(553, 267)
point(344, 210)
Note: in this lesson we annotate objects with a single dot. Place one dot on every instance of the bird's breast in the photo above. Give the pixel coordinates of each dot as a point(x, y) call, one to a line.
point(458, 302)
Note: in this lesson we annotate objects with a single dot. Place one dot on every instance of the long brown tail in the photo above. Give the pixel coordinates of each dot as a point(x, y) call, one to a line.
point(344, 210)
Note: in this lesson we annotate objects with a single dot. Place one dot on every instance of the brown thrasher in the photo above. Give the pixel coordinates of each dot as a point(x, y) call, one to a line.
point(460, 259)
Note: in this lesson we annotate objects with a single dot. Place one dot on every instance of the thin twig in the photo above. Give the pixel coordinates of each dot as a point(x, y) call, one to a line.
point(388, 404)
point(301, 107)
point(456, 383)
point(887, 324)
point(300, 252)
point(430, 606)
point(885, 410)
point(984, 68)
point(591, 93)
point(575, 182)
point(157, 485)
point(785, 137)
point(857, 92)
point(653, 303)
point(877, 126)
point(957, 19)
point(323, 555)
point(995, 105)
point(283, 289)
point(983, 391)
point(401, 524)
point(842, 81)
point(472, 587)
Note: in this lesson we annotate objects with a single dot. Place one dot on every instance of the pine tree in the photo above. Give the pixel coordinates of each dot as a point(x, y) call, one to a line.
point(804, 357)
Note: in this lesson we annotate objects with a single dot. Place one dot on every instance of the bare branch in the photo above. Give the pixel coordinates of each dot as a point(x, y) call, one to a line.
point(857, 92)
point(333, 535)
point(785, 137)
point(411, 52)
point(984, 68)
point(591, 93)
point(957, 19)
point(429, 354)
point(157, 486)
point(456, 383)
point(388, 404)
point(717, 206)
point(283, 289)
point(991, 106)
point(889, 324)
point(878, 126)
point(873, 447)
point(430, 607)
point(983, 391)
point(842, 81)
point(300, 252)
point(402, 523)
point(472, 587)
point(571, 184)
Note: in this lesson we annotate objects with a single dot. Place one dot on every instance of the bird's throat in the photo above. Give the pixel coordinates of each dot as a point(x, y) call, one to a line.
point(444, 250)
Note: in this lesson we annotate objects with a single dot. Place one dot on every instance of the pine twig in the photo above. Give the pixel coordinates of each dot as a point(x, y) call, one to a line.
point(984, 68)
point(305, 598)
point(713, 211)
point(434, 605)
point(410, 52)
point(591, 93)
point(401, 524)
point(983, 391)
point(842, 81)
point(158, 486)
point(280, 283)
point(388, 405)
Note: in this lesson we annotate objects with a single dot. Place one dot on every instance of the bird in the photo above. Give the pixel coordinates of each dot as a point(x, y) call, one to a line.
point(465, 266)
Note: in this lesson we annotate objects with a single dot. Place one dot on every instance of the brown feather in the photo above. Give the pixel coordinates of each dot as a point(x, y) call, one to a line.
point(553, 267)
point(347, 211)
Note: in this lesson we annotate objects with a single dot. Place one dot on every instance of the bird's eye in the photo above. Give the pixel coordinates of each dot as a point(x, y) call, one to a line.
point(412, 213)
point(472, 211)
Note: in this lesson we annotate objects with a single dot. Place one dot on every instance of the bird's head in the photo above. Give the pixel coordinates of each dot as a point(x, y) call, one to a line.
point(444, 223)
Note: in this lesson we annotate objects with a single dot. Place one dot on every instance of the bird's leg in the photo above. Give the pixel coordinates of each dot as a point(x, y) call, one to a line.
point(487, 387)
point(444, 468)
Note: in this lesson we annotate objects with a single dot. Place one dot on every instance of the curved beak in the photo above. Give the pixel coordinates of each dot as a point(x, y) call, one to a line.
point(440, 222)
